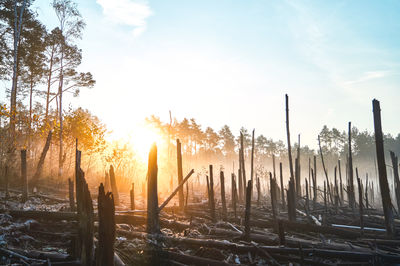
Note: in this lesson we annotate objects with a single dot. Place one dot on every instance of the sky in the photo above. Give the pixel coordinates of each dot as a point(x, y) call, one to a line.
point(231, 62)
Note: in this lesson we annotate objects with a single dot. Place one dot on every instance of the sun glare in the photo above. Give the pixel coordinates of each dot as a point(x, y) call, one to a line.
point(142, 139)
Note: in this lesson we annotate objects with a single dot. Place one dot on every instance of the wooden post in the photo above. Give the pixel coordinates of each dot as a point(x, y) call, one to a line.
point(114, 187)
point(273, 195)
point(24, 178)
point(106, 211)
point(71, 194)
point(132, 196)
point(360, 202)
point(323, 166)
point(180, 172)
point(273, 164)
point(247, 211)
point(234, 195)
point(288, 137)
point(351, 178)
point(212, 201)
point(153, 223)
point(222, 183)
point(282, 188)
point(383, 183)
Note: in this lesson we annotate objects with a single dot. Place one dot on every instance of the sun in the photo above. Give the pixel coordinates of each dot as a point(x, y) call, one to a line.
point(142, 139)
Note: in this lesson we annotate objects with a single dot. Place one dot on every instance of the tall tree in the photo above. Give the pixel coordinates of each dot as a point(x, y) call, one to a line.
point(71, 26)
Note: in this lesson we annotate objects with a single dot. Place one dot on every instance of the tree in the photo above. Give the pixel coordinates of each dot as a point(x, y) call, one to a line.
point(228, 140)
point(33, 67)
point(71, 26)
point(13, 15)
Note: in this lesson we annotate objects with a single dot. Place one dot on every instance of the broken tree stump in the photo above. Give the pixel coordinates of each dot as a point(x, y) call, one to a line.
point(258, 186)
point(114, 187)
point(291, 201)
point(395, 165)
point(24, 178)
point(273, 195)
point(234, 195)
point(153, 223)
point(86, 221)
point(247, 211)
point(223, 200)
point(360, 202)
point(383, 182)
point(106, 212)
point(288, 138)
point(350, 193)
point(132, 196)
point(180, 172)
point(71, 194)
point(211, 195)
point(283, 203)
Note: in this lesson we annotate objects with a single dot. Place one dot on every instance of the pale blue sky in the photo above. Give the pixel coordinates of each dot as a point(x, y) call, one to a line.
point(231, 62)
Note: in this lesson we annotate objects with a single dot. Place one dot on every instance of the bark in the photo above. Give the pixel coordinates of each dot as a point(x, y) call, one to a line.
point(24, 178)
point(383, 182)
point(40, 164)
point(114, 187)
point(180, 172)
point(106, 212)
point(153, 223)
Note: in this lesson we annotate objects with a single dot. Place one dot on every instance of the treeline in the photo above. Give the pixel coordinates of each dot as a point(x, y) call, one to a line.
point(222, 145)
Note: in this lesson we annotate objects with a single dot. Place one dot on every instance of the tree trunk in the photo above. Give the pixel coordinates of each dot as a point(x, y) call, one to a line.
point(153, 223)
point(288, 137)
point(383, 182)
point(351, 178)
point(222, 184)
point(180, 172)
point(41, 160)
point(106, 211)
point(24, 178)
point(114, 187)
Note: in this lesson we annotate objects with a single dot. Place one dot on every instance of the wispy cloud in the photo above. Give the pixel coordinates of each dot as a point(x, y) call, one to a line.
point(368, 76)
point(133, 13)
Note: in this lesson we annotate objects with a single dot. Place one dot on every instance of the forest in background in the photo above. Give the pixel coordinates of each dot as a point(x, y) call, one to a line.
point(40, 66)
